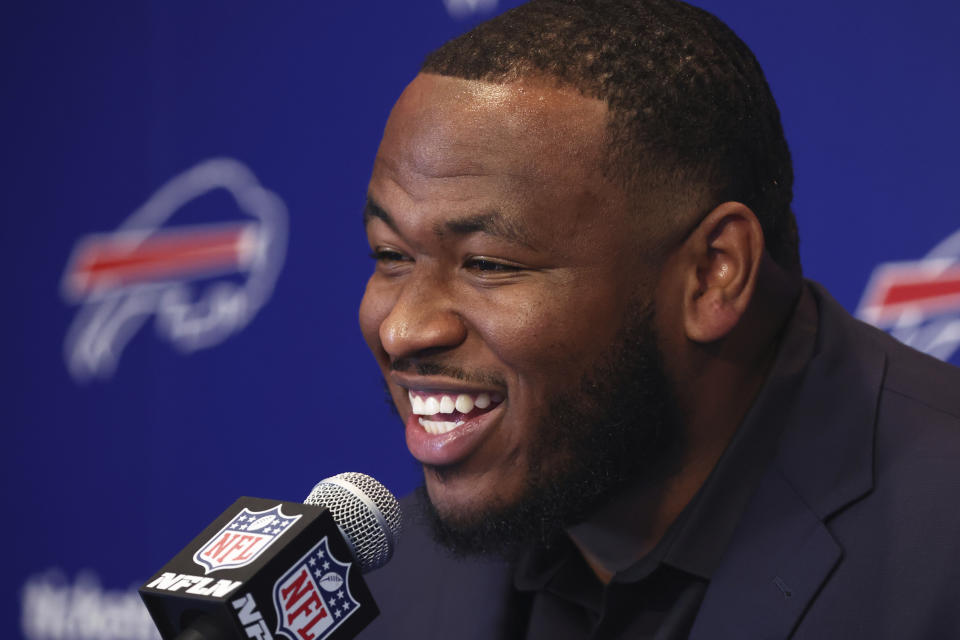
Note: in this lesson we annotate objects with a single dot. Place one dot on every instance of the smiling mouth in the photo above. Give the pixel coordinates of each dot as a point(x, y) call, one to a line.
point(440, 413)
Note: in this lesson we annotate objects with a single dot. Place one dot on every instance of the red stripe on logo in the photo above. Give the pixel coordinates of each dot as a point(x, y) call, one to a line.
point(116, 261)
point(923, 289)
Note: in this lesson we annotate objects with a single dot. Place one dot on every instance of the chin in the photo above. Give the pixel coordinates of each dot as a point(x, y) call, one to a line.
point(461, 498)
point(470, 528)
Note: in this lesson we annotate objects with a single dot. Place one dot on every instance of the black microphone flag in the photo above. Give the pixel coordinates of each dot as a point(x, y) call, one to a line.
point(264, 569)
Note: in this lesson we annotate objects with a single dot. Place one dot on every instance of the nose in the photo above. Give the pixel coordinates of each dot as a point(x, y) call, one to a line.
point(422, 320)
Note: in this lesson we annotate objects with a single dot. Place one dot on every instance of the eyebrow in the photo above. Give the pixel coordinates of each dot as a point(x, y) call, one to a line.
point(373, 210)
point(491, 223)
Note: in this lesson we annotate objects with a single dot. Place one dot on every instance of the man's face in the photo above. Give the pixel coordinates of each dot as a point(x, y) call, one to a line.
point(509, 275)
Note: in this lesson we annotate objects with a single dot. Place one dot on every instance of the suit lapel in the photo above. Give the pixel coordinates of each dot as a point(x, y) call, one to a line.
point(782, 552)
point(776, 563)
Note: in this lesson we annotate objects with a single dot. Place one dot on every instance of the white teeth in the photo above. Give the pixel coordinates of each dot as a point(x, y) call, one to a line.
point(431, 405)
point(464, 403)
point(446, 404)
point(416, 403)
point(435, 427)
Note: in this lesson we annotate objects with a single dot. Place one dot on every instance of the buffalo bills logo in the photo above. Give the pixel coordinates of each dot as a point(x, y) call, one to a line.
point(918, 301)
point(313, 597)
point(203, 282)
point(243, 539)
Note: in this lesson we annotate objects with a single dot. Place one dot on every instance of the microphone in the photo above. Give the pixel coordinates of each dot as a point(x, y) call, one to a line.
point(280, 570)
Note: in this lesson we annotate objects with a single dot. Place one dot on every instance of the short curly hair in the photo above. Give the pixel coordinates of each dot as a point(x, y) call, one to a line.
point(689, 105)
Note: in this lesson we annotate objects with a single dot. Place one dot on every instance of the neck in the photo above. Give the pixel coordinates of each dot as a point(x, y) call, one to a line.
point(628, 527)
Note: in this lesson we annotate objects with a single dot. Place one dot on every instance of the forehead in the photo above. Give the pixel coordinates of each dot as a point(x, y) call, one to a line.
point(443, 126)
point(447, 127)
point(530, 150)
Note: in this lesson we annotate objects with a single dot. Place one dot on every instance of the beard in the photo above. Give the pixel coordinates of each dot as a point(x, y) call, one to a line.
point(621, 430)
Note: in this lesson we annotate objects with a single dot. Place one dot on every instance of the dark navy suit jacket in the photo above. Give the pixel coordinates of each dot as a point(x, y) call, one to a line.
point(853, 532)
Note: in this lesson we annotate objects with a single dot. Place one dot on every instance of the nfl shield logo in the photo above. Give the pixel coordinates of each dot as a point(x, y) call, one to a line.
point(243, 539)
point(313, 598)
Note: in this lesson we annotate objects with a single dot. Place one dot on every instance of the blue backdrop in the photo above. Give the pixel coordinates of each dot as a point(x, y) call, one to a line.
point(229, 143)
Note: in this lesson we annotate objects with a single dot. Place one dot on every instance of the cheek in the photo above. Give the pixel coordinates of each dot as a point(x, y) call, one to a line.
point(551, 334)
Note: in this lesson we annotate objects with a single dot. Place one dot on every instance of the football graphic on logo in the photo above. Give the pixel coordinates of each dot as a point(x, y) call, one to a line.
point(331, 581)
point(260, 523)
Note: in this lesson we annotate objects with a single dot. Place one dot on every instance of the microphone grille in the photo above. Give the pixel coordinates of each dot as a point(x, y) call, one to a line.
point(366, 512)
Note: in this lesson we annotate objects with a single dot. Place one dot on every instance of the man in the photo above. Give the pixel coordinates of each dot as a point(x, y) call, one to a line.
point(635, 419)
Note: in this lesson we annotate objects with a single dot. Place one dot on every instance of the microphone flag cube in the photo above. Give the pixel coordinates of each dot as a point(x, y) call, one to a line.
point(263, 569)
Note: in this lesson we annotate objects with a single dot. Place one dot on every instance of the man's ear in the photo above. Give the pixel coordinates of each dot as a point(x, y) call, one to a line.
point(723, 259)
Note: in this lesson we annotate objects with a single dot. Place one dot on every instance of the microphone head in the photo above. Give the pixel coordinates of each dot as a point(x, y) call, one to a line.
point(367, 514)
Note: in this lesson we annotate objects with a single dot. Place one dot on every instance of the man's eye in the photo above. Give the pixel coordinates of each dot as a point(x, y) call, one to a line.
point(387, 255)
point(490, 266)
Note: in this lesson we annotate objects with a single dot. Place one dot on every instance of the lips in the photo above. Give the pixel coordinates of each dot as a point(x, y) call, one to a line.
point(445, 426)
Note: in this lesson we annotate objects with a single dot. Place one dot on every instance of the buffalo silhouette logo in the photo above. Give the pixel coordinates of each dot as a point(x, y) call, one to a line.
point(202, 282)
